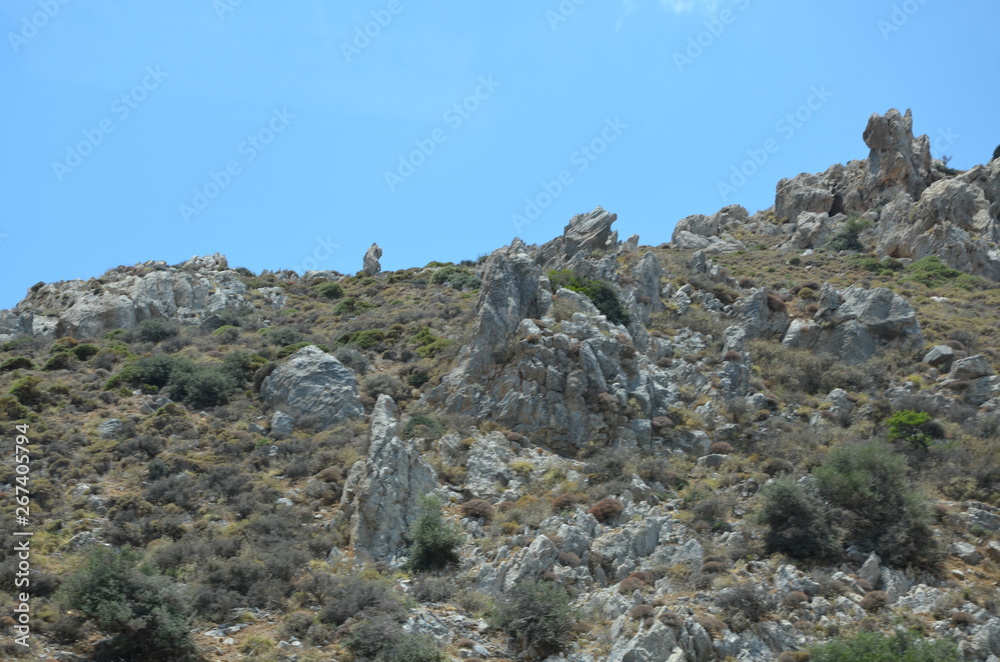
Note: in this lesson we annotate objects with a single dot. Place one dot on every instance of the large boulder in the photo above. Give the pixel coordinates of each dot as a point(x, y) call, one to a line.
point(313, 384)
point(381, 492)
point(852, 325)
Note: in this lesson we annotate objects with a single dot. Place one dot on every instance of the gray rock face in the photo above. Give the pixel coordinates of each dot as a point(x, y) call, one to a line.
point(853, 324)
point(312, 383)
point(940, 356)
point(972, 367)
point(381, 491)
point(125, 296)
point(371, 261)
point(897, 161)
point(653, 644)
point(709, 233)
point(759, 316)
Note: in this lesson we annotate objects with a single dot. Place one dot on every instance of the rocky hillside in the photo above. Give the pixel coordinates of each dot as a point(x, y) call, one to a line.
point(776, 437)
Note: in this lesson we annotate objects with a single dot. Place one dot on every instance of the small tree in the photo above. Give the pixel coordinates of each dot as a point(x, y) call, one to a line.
point(536, 616)
point(869, 481)
point(910, 426)
point(145, 612)
point(795, 522)
point(435, 542)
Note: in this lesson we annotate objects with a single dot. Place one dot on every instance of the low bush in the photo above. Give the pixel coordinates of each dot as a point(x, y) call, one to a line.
point(744, 604)
point(330, 290)
point(17, 363)
point(156, 329)
point(606, 510)
point(535, 615)
point(478, 509)
point(877, 647)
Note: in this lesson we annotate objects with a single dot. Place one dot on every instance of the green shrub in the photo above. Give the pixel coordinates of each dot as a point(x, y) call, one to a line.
point(887, 515)
point(381, 639)
point(27, 391)
point(435, 542)
point(59, 361)
point(227, 333)
point(794, 522)
point(930, 271)
point(156, 329)
point(203, 386)
point(240, 365)
point(877, 647)
point(367, 339)
point(352, 595)
point(429, 344)
point(422, 425)
point(17, 363)
point(460, 278)
point(352, 306)
point(144, 612)
point(602, 294)
point(330, 290)
point(11, 409)
point(910, 426)
point(283, 336)
point(535, 614)
point(846, 239)
point(84, 351)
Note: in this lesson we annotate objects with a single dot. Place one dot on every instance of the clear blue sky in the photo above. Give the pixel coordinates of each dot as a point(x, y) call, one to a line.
point(116, 113)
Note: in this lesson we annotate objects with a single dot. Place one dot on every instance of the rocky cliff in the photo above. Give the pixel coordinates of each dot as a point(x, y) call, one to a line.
point(776, 431)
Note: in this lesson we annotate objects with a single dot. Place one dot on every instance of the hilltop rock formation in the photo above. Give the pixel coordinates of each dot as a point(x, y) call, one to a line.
point(381, 491)
point(371, 261)
point(313, 384)
point(125, 296)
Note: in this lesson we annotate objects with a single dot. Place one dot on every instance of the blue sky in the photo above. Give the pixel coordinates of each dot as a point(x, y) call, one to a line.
point(294, 135)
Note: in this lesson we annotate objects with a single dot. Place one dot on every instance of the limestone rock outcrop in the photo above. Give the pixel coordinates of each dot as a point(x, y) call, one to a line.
point(125, 296)
point(313, 384)
point(371, 264)
point(381, 492)
point(852, 325)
